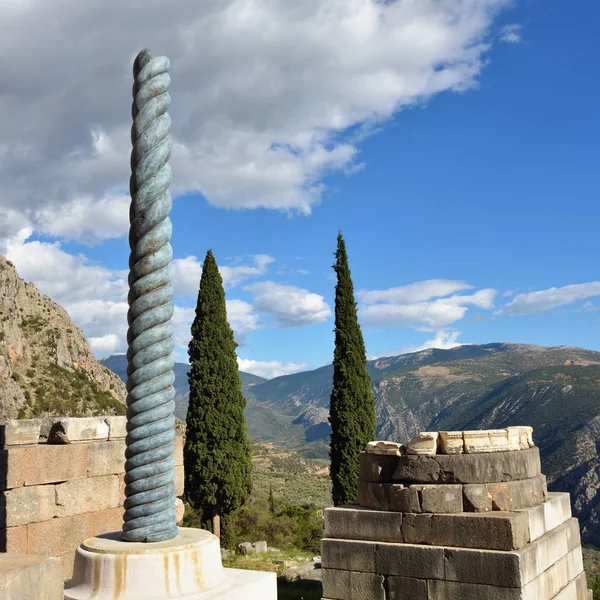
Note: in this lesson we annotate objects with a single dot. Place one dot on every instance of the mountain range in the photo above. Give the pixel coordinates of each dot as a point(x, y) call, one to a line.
point(555, 390)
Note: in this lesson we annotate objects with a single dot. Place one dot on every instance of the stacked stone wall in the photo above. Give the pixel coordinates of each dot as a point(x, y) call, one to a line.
point(62, 482)
point(476, 523)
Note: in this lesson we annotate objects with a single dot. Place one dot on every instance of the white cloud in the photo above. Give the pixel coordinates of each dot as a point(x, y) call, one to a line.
point(525, 304)
point(262, 94)
point(511, 34)
point(443, 340)
point(241, 316)
point(436, 313)
point(414, 292)
point(106, 344)
point(187, 272)
point(270, 369)
point(289, 305)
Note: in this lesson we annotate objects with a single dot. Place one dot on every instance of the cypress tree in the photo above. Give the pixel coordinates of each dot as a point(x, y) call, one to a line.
point(217, 456)
point(352, 408)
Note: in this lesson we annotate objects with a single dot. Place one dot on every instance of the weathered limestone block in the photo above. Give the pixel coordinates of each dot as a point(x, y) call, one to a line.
point(24, 577)
point(493, 467)
point(179, 481)
point(404, 499)
point(406, 587)
point(549, 583)
point(59, 535)
point(20, 432)
point(525, 435)
point(451, 442)
point(514, 438)
point(492, 531)
point(425, 443)
point(260, 547)
point(549, 515)
point(377, 468)
point(499, 439)
point(179, 443)
point(43, 463)
point(117, 427)
point(350, 584)
point(440, 498)
point(409, 560)
point(452, 590)
point(385, 448)
point(350, 555)
point(106, 458)
point(509, 495)
point(67, 560)
point(105, 521)
point(14, 540)
point(477, 442)
point(354, 522)
point(179, 510)
point(27, 505)
point(87, 495)
point(376, 496)
point(72, 430)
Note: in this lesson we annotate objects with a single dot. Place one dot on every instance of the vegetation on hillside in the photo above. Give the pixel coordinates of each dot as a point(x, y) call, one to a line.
point(351, 408)
point(217, 459)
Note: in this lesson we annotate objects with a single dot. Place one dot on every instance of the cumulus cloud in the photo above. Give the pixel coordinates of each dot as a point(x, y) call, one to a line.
point(262, 95)
point(187, 272)
point(289, 305)
point(106, 344)
point(511, 34)
point(414, 292)
point(440, 312)
point(443, 340)
point(271, 368)
point(525, 304)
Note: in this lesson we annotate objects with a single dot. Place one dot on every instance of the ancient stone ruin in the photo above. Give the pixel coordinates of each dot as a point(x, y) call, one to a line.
point(454, 516)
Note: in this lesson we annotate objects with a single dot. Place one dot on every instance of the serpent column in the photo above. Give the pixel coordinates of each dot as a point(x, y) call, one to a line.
point(150, 489)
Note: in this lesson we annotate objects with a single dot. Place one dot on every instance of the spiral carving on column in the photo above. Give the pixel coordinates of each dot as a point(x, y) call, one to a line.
point(149, 467)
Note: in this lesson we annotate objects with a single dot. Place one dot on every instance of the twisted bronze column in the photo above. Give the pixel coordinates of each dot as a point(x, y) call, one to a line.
point(149, 468)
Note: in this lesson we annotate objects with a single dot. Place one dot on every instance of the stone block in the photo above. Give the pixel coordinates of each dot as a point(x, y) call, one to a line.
point(385, 448)
point(354, 522)
point(551, 548)
point(179, 443)
point(87, 495)
point(14, 540)
point(245, 548)
point(179, 510)
point(492, 531)
point(401, 588)
point(43, 463)
point(377, 468)
point(179, 481)
point(24, 577)
point(557, 509)
point(105, 521)
point(59, 535)
point(493, 467)
point(451, 590)
point(511, 495)
point(410, 560)
point(260, 547)
point(350, 555)
point(476, 497)
point(573, 533)
point(404, 499)
point(440, 498)
point(550, 582)
point(27, 505)
point(514, 438)
point(20, 432)
point(106, 458)
point(122, 496)
point(451, 442)
point(425, 443)
point(117, 427)
point(350, 584)
point(477, 442)
point(67, 560)
point(499, 440)
point(73, 430)
point(376, 496)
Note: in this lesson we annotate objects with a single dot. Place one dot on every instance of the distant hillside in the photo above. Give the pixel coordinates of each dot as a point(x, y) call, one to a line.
point(47, 368)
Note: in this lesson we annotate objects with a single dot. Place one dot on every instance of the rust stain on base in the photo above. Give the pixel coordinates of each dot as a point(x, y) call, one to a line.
point(120, 573)
point(96, 569)
point(166, 569)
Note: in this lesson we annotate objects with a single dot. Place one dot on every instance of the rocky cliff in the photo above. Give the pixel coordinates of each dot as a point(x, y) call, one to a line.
point(46, 365)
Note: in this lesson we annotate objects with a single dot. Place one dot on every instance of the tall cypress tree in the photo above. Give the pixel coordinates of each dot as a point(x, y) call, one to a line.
point(217, 456)
point(352, 408)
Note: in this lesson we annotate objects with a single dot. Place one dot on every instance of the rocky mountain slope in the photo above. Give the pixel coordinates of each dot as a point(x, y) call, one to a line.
point(46, 365)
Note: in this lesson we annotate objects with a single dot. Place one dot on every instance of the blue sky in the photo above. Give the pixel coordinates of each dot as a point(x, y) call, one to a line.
point(479, 195)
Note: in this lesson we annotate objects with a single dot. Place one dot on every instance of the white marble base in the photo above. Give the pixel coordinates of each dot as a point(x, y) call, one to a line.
point(186, 567)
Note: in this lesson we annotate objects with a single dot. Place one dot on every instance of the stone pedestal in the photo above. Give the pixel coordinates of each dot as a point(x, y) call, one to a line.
point(472, 526)
point(186, 567)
